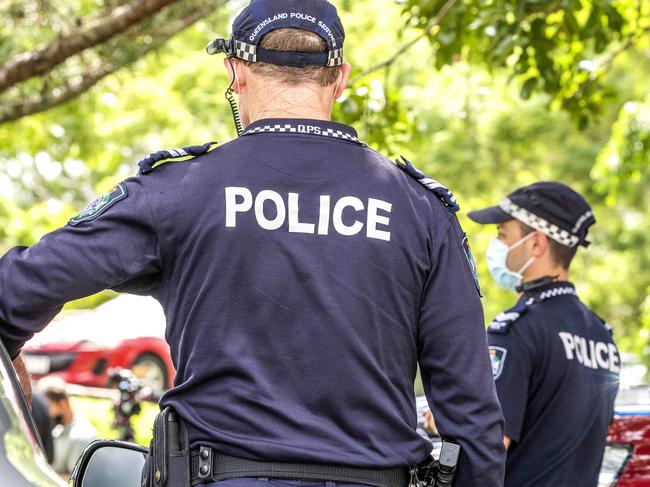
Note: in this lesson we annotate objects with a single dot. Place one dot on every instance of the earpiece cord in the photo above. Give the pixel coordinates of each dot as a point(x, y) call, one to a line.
point(233, 104)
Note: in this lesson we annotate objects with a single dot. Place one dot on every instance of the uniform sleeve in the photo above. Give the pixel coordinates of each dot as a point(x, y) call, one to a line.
point(511, 366)
point(455, 366)
point(113, 246)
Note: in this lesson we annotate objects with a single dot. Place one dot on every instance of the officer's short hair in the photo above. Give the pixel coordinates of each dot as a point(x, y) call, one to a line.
point(295, 40)
point(561, 254)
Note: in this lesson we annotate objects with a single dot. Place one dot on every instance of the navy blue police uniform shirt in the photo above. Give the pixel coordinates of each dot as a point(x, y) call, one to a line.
point(556, 369)
point(303, 277)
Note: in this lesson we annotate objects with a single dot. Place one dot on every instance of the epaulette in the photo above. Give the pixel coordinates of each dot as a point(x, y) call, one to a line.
point(502, 322)
point(443, 194)
point(155, 159)
point(607, 326)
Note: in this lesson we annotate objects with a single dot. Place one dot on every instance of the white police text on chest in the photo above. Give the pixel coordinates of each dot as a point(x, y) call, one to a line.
point(330, 215)
point(590, 353)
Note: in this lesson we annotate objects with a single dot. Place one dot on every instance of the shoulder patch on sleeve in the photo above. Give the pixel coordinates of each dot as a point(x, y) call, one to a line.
point(100, 205)
point(155, 159)
point(497, 358)
point(472, 264)
point(443, 194)
point(503, 321)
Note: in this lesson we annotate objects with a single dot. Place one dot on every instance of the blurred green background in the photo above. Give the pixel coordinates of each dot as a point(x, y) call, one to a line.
point(100, 413)
point(494, 95)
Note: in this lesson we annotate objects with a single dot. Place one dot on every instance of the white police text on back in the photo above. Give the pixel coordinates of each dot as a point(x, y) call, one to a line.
point(330, 216)
point(590, 353)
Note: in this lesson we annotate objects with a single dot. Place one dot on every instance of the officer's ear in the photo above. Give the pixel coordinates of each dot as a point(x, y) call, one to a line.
point(540, 244)
point(235, 72)
point(344, 76)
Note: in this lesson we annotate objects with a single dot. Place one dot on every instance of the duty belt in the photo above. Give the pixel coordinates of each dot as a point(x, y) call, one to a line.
point(209, 466)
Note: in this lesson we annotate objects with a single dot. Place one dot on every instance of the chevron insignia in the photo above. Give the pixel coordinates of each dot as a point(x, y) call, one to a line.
point(156, 159)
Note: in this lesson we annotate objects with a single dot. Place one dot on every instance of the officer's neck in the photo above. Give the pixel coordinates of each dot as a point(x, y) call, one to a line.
point(542, 269)
point(298, 102)
point(298, 114)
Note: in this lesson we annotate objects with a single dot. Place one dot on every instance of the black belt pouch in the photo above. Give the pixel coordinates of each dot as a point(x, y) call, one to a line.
point(168, 464)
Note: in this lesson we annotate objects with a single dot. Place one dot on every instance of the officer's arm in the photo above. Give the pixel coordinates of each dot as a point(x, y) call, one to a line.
point(115, 246)
point(454, 363)
point(512, 377)
point(23, 377)
point(507, 441)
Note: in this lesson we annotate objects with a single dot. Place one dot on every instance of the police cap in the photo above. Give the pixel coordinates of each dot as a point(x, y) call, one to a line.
point(262, 16)
point(549, 207)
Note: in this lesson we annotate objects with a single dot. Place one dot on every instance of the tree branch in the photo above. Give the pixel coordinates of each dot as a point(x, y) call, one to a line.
point(442, 13)
point(87, 80)
point(29, 64)
point(59, 96)
point(606, 64)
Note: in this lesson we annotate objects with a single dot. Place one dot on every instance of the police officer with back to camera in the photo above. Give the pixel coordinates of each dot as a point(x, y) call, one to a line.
point(304, 277)
point(554, 361)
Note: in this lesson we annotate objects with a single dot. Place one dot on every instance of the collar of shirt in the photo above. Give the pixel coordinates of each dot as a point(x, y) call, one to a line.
point(294, 126)
point(548, 291)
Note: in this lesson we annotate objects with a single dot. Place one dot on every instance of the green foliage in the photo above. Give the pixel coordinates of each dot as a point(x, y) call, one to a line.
point(622, 178)
point(100, 413)
point(623, 167)
point(556, 47)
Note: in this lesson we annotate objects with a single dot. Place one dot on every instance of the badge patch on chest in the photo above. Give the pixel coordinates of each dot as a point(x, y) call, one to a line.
point(472, 264)
point(100, 205)
point(497, 357)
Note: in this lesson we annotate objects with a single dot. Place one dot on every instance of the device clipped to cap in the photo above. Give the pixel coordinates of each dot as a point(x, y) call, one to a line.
point(218, 46)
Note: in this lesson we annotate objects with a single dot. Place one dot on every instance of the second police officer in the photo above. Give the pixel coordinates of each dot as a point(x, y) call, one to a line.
point(554, 361)
point(303, 276)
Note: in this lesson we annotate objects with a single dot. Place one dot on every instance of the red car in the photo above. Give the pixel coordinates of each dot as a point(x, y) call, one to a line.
point(81, 346)
point(627, 457)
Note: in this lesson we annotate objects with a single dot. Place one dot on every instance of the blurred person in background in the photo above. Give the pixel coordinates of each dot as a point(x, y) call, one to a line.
point(72, 431)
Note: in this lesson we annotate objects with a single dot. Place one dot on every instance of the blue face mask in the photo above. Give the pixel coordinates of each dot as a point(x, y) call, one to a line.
point(497, 256)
